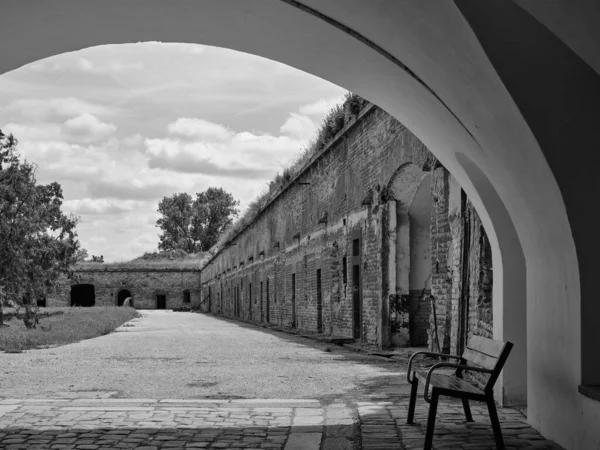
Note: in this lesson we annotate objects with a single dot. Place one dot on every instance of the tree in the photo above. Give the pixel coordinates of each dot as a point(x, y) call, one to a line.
point(38, 242)
point(195, 225)
point(81, 255)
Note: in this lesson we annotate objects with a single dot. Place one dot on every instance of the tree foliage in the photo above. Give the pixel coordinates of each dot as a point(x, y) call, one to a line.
point(38, 242)
point(194, 225)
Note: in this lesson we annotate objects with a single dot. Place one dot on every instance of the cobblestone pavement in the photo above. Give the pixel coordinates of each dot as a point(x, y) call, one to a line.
point(302, 424)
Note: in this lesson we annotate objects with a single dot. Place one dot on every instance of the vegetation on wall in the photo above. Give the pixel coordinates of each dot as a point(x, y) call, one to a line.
point(167, 259)
point(338, 117)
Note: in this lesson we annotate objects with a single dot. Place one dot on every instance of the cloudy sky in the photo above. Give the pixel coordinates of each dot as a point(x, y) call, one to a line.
point(122, 126)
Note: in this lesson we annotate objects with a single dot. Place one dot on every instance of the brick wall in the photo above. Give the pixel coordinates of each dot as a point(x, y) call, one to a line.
point(311, 225)
point(143, 286)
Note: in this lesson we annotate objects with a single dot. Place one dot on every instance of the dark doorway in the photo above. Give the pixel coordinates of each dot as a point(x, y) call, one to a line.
point(83, 295)
point(41, 302)
point(293, 300)
point(463, 302)
point(356, 302)
point(122, 295)
point(356, 287)
point(161, 301)
point(250, 301)
point(319, 303)
point(262, 314)
point(268, 306)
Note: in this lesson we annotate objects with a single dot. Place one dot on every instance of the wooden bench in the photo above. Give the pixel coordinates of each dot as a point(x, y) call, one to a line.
point(482, 355)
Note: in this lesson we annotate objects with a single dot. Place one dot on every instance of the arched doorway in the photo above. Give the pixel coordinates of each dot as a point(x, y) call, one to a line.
point(83, 295)
point(446, 71)
point(122, 295)
point(409, 208)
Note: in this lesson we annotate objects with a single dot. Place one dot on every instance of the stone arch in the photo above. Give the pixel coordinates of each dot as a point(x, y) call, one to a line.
point(122, 294)
point(447, 72)
point(83, 295)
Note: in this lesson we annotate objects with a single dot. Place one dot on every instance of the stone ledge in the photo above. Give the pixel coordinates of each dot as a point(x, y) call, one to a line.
point(590, 391)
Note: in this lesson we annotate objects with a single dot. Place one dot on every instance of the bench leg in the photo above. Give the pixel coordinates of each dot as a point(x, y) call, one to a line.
point(413, 400)
point(467, 409)
point(495, 423)
point(431, 420)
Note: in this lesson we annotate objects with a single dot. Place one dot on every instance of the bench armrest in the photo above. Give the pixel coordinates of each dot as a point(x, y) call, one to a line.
point(453, 366)
point(443, 355)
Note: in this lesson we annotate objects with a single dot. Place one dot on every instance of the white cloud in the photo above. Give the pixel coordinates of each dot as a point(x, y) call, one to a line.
point(134, 140)
point(87, 128)
point(194, 128)
point(86, 65)
point(321, 107)
point(133, 189)
point(53, 109)
point(219, 152)
point(99, 206)
point(33, 131)
point(299, 126)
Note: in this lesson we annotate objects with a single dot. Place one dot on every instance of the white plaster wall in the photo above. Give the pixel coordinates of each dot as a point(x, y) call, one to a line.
point(419, 215)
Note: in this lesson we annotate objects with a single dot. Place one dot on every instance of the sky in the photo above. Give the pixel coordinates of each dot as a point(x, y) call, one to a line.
point(122, 126)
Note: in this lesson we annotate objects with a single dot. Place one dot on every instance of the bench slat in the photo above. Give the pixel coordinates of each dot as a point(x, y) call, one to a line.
point(485, 345)
point(480, 359)
point(449, 382)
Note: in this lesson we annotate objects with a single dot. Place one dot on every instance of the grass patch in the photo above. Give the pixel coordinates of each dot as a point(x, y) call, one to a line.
point(74, 325)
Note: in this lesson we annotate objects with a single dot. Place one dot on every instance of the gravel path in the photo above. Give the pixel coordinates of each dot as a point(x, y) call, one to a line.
point(168, 354)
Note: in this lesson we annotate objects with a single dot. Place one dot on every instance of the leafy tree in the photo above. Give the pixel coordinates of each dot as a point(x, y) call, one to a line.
point(38, 242)
point(195, 225)
point(81, 255)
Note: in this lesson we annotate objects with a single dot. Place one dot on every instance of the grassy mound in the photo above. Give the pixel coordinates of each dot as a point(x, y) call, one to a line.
point(74, 325)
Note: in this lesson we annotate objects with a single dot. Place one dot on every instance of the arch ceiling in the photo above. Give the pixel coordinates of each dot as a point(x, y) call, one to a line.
point(442, 69)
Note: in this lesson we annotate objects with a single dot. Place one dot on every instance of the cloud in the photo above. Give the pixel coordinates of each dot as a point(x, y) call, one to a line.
point(193, 128)
point(86, 65)
point(53, 109)
point(99, 206)
point(219, 152)
point(134, 140)
point(168, 47)
point(87, 128)
point(33, 131)
point(130, 189)
point(299, 126)
point(321, 107)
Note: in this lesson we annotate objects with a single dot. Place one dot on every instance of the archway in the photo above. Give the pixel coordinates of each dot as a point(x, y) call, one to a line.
point(408, 242)
point(446, 71)
point(83, 295)
point(122, 295)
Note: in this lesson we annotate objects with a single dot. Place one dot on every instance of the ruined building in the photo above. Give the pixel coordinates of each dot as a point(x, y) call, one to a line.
point(372, 239)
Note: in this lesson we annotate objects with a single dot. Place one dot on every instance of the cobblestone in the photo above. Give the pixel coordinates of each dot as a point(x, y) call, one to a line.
point(290, 424)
